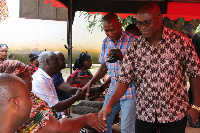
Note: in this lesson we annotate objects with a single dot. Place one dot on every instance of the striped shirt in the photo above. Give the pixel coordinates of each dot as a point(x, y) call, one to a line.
point(123, 44)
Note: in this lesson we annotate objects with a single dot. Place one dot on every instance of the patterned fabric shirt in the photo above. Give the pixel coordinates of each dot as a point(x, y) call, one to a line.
point(44, 88)
point(123, 44)
point(3, 10)
point(39, 116)
point(32, 68)
point(159, 75)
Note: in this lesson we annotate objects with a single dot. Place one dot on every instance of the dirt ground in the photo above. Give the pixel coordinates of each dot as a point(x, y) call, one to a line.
point(116, 129)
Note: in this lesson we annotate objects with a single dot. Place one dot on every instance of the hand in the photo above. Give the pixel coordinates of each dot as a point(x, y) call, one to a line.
point(87, 88)
point(97, 89)
point(119, 54)
point(80, 94)
point(104, 112)
point(193, 113)
point(95, 122)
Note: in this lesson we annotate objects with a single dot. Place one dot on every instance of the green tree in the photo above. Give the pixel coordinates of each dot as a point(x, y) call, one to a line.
point(97, 20)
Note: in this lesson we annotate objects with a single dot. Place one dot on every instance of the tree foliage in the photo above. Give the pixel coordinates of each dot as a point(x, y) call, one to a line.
point(96, 20)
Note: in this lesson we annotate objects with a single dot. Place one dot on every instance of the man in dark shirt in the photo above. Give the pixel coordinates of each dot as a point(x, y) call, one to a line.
point(188, 30)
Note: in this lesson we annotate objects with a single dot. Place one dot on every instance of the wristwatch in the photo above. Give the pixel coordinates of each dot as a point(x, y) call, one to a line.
point(195, 107)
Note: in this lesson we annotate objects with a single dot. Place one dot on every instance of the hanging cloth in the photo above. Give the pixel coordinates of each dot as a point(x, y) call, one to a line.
point(3, 10)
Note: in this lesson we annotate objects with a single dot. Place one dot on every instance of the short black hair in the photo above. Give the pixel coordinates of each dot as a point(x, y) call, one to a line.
point(188, 26)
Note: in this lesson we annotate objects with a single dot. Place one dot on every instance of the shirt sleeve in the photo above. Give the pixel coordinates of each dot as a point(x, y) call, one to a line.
point(190, 59)
point(57, 80)
point(102, 57)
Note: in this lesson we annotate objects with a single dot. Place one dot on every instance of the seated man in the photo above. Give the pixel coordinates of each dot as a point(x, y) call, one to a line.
point(42, 118)
point(62, 88)
point(15, 105)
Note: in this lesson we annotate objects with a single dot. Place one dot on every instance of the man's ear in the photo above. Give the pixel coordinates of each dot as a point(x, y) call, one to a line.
point(15, 103)
point(47, 61)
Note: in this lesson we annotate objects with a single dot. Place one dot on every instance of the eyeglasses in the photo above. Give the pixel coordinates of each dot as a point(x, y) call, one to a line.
point(145, 23)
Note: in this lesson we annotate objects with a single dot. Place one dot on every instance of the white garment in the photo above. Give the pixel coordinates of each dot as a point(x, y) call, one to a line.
point(43, 87)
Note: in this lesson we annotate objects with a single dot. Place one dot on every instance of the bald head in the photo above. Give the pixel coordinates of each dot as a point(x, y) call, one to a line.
point(151, 8)
point(10, 86)
point(61, 59)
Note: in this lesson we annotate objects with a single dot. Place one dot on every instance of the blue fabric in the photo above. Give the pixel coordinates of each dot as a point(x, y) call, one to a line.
point(127, 115)
point(57, 81)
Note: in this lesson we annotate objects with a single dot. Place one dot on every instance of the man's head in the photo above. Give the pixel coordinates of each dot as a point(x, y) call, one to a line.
point(149, 20)
point(112, 26)
point(15, 103)
point(61, 59)
point(19, 69)
point(48, 62)
point(34, 58)
point(188, 30)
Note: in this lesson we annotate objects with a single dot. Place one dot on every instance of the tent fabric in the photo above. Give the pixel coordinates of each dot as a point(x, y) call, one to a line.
point(3, 10)
point(188, 10)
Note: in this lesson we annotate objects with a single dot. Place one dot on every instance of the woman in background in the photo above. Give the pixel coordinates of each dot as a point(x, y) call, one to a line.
point(3, 52)
point(81, 74)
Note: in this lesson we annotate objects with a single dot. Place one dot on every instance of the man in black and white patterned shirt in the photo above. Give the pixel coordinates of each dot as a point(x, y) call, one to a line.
point(157, 62)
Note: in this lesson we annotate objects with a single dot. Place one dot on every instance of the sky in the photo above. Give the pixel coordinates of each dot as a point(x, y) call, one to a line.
point(24, 35)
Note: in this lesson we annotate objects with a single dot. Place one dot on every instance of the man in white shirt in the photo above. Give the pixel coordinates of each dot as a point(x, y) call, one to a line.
point(43, 85)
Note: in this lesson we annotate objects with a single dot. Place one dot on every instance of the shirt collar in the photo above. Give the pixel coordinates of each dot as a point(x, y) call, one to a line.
point(121, 38)
point(43, 73)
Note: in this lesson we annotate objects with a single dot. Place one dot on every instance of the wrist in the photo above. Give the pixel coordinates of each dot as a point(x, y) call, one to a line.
point(195, 107)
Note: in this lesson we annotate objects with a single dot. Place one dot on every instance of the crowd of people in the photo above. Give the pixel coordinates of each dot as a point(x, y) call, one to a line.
point(147, 66)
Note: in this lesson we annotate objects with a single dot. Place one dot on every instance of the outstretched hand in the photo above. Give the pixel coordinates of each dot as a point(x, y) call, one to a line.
point(80, 94)
point(87, 88)
point(95, 122)
point(104, 112)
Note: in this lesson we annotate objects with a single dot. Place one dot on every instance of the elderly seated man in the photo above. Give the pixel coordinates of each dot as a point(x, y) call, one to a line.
point(15, 105)
point(42, 118)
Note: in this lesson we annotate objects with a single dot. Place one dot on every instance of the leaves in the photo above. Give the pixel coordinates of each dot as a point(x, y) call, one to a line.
point(97, 20)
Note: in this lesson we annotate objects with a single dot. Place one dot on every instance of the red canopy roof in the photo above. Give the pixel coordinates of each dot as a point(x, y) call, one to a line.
point(188, 11)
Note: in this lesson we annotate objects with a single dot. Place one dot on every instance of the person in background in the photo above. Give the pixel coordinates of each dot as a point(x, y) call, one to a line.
point(3, 52)
point(82, 107)
point(34, 64)
point(157, 62)
point(15, 105)
point(42, 119)
point(81, 75)
point(133, 29)
point(120, 41)
point(188, 30)
point(43, 85)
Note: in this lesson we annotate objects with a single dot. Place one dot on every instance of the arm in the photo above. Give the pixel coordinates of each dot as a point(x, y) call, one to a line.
point(99, 74)
point(67, 88)
point(83, 80)
point(75, 124)
point(195, 89)
point(117, 94)
point(63, 105)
